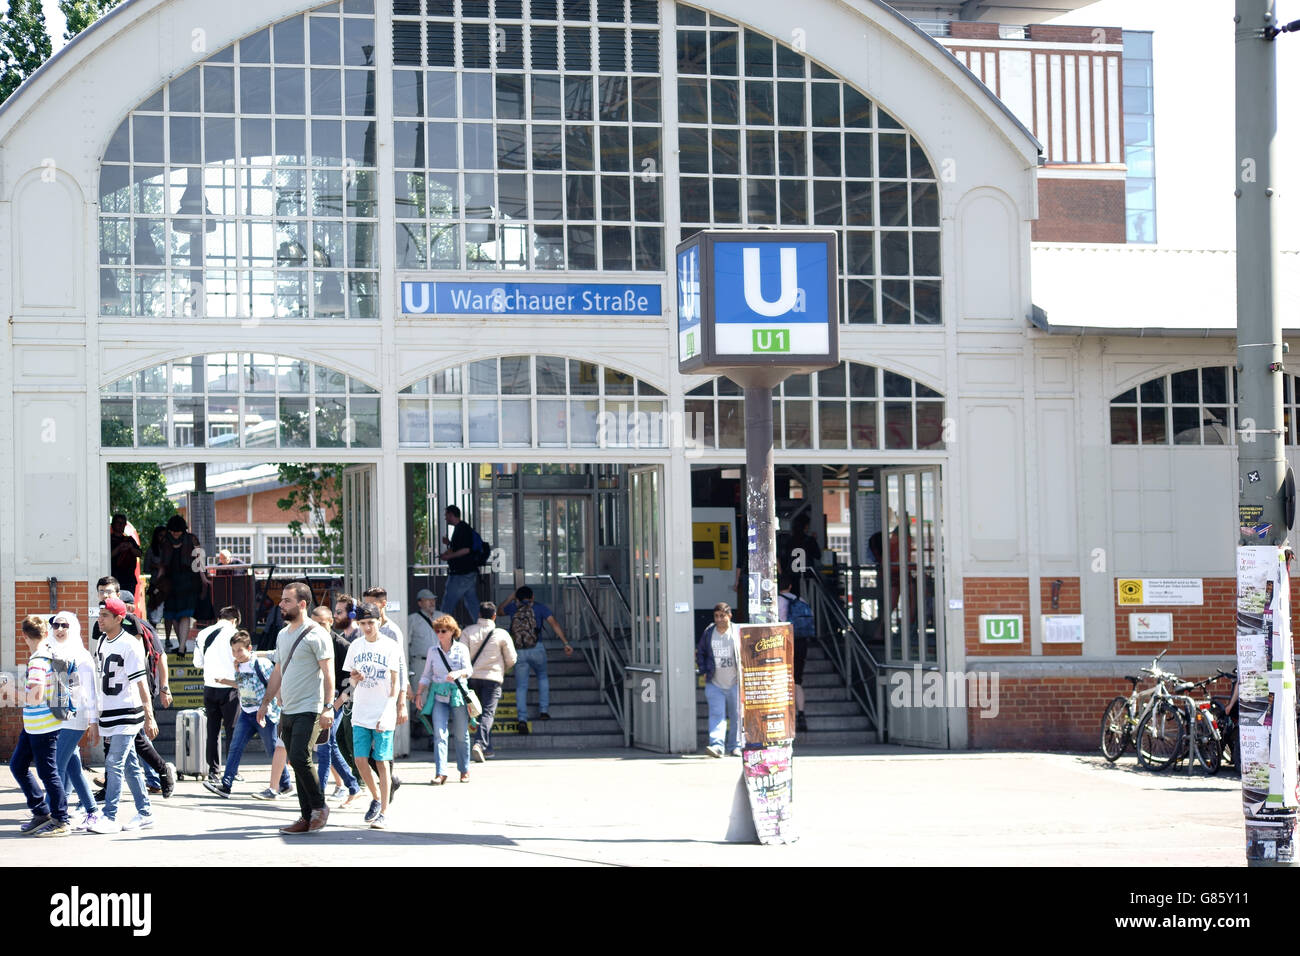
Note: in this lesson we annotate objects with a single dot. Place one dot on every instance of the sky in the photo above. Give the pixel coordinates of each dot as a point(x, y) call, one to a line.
point(1195, 161)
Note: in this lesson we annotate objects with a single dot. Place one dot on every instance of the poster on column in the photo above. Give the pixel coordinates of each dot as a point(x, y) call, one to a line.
point(767, 714)
point(1266, 679)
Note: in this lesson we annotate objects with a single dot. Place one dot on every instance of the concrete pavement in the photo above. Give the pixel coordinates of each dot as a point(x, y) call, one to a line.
point(885, 806)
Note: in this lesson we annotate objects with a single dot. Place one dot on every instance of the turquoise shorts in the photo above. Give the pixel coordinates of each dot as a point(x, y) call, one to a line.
point(372, 743)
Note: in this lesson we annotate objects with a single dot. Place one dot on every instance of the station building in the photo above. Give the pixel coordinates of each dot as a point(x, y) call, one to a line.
point(431, 240)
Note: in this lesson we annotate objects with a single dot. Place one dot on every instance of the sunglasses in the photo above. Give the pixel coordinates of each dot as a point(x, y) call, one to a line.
point(59, 625)
point(442, 630)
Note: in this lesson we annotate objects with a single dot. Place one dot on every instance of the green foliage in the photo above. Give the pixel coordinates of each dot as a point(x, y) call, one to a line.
point(315, 493)
point(139, 491)
point(82, 13)
point(24, 44)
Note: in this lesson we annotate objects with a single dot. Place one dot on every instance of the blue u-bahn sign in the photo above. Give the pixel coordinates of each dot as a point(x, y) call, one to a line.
point(757, 299)
point(491, 297)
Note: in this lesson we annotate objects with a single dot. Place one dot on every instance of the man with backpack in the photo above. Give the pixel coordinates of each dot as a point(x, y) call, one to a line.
point(792, 608)
point(220, 698)
point(527, 618)
point(464, 554)
point(159, 775)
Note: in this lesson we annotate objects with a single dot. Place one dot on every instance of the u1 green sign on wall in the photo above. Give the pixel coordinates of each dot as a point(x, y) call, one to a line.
point(1001, 629)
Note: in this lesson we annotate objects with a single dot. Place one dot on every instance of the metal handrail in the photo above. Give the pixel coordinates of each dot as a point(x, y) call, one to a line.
point(849, 653)
point(603, 655)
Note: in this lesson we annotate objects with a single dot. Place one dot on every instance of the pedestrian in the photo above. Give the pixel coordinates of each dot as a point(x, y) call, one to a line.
point(329, 755)
point(442, 681)
point(38, 741)
point(372, 663)
point(185, 582)
point(462, 567)
point(792, 608)
point(83, 719)
point(212, 652)
point(378, 596)
point(125, 554)
point(799, 553)
point(251, 677)
point(718, 658)
point(125, 710)
point(160, 776)
point(344, 632)
point(491, 654)
point(420, 624)
point(303, 678)
point(155, 594)
point(527, 618)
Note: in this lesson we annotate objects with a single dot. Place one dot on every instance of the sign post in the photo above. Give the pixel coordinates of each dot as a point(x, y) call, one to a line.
point(758, 307)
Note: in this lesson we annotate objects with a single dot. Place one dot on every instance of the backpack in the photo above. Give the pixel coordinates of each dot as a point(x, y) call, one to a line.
point(523, 626)
point(801, 616)
point(63, 677)
point(480, 550)
point(152, 651)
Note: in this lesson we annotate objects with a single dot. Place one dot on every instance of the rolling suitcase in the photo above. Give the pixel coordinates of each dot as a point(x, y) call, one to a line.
point(191, 744)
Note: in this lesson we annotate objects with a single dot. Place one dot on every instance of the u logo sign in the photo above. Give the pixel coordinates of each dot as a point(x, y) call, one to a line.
point(789, 294)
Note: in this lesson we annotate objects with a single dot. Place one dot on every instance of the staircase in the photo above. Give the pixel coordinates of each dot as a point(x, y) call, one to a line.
point(834, 718)
point(580, 718)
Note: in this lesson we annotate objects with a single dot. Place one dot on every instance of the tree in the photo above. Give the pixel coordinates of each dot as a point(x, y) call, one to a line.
point(82, 13)
point(139, 491)
point(24, 44)
point(316, 493)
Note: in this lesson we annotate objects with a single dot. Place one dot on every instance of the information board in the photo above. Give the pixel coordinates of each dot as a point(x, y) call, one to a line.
point(767, 682)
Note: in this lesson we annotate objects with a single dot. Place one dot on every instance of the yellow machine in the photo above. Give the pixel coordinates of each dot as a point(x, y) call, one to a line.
point(714, 558)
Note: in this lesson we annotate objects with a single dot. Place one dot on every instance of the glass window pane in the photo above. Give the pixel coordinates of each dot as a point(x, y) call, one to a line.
point(929, 425)
point(483, 378)
point(731, 424)
point(584, 417)
point(295, 422)
point(516, 376)
point(798, 424)
point(516, 422)
point(116, 425)
point(331, 425)
point(584, 378)
point(447, 428)
point(1184, 387)
point(865, 431)
point(1214, 385)
point(482, 422)
point(550, 375)
point(413, 421)
point(552, 421)
point(1123, 426)
point(1187, 425)
point(1154, 429)
point(1153, 391)
point(898, 425)
point(259, 422)
point(832, 429)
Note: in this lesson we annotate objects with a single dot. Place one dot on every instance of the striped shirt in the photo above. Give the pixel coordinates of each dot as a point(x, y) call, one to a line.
point(38, 718)
point(122, 664)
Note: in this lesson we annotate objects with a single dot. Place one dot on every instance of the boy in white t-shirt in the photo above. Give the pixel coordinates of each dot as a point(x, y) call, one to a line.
point(250, 680)
point(374, 663)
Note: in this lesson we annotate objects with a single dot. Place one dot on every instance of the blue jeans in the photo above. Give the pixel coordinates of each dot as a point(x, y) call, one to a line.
point(532, 659)
point(245, 728)
point(458, 718)
point(461, 588)
point(38, 750)
point(67, 760)
point(329, 753)
point(122, 761)
point(724, 708)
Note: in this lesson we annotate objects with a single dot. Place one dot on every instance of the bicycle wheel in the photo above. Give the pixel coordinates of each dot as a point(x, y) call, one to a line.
point(1208, 749)
point(1161, 736)
point(1115, 729)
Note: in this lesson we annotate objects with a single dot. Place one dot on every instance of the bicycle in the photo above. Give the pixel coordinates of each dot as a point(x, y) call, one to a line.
point(1224, 710)
point(1162, 733)
point(1120, 718)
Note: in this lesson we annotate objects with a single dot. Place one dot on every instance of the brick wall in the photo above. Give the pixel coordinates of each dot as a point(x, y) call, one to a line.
point(994, 596)
point(968, 30)
point(1054, 713)
point(33, 597)
point(1049, 33)
point(1080, 210)
point(1207, 629)
point(1070, 602)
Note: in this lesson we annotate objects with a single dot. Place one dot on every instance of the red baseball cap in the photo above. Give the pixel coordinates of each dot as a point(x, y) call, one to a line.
point(114, 607)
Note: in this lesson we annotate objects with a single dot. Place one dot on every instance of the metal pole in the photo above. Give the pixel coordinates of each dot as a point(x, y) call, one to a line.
point(760, 504)
point(1260, 451)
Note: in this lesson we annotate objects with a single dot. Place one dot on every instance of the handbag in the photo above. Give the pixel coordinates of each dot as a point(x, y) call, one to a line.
point(473, 705)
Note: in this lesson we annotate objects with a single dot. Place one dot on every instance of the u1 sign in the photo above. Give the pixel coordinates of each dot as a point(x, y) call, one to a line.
point(757, 299)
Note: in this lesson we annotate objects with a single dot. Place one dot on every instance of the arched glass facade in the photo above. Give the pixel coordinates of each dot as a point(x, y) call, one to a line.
point(851, 406)
point(238, 400)
point(1197, 406)
point(531, 401)
point(527, 135)
point(246, 185)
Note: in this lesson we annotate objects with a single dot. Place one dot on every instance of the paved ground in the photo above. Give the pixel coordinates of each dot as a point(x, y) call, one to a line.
point(887, 806)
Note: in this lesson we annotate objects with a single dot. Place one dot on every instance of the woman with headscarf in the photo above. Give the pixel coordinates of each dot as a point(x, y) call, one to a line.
point(66, 644)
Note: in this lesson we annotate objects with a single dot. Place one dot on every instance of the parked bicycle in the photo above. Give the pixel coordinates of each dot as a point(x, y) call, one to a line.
point(1163, 731)
point(1224, 710)
point(1119, 721)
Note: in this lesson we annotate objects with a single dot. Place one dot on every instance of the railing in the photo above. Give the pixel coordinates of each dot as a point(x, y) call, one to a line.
point(600, 626)
point(847, 649)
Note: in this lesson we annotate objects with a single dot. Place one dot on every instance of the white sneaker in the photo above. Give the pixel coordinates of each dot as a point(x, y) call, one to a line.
point(715, 750)
point(87, 820)
point(105, 825)
point(141, 821)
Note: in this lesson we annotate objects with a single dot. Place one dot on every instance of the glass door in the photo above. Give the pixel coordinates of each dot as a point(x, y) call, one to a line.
point(646, 602)
point(554, 531)
point(358, 509)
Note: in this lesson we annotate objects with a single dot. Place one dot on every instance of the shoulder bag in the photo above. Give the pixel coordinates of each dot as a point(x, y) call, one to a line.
point(472, 704)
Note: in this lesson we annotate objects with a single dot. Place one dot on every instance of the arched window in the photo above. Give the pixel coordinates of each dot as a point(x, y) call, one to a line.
point(851, 406)
point(238, 400)
point(767, 137)
point(527, 401)
point(1196, 406)
point(246, 185)
point(529, 136)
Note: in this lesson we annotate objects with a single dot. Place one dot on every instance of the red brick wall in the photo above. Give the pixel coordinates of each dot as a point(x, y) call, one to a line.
point(1049, 33)
point(1054, 713)
point(967, 30)
point(33, 597)
point(994, 596)
point(1080, 210)
point(1070, 603)
point(1207, 629)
